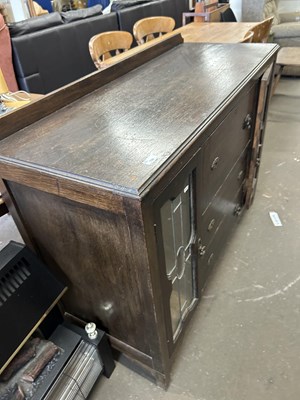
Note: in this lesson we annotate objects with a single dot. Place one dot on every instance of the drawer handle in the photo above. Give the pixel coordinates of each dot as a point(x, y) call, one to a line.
point(247, 124)
point(210, 259)
point(211, 224)
point(215, 163)
point(237, 210)
point(201, 248)
point(180, 262)
point(240, 174)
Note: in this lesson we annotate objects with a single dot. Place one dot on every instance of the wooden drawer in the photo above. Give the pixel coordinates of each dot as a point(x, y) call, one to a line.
point(224, 147)
point(211, 219)
point(231, 212)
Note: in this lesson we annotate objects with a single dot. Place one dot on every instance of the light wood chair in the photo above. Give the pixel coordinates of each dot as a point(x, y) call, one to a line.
point(146, 28)
point(38, 10)
point(262, 30)
point(248, 37)
point(102, 45)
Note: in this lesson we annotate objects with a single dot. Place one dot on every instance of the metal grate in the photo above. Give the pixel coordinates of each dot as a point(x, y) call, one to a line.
point(13, 279)
point(79, 375)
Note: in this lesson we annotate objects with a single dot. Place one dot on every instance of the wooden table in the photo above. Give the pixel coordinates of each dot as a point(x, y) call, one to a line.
point(215, 32)
point(195, 32)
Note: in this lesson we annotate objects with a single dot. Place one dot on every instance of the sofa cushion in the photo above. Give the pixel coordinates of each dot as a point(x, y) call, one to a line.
point(168, 8)
point(270, 10)
point(83, 13)
point(290, 17)
point(178, 7)
point(35, 24)
point(287, 30)
point(120, 4)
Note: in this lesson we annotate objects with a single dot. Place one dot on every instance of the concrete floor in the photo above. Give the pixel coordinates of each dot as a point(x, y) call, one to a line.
point(244, 340)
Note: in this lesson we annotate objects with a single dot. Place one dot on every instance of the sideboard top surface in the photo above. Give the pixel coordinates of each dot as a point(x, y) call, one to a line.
point(125, 132)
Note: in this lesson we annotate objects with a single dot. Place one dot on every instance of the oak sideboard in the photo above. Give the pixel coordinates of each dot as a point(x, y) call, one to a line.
point(129, 182)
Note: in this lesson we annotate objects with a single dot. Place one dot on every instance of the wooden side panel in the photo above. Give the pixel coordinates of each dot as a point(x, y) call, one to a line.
point(13, 210)
point(258, 136)
point(103, 259)
point(85, 192)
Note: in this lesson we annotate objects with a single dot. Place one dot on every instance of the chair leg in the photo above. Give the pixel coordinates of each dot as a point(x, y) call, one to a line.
point(276, 78)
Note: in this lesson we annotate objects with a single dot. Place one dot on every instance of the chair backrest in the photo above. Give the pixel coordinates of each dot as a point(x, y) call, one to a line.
point(103, 44)
point(262, 30)
point(248, 37)
point(228, 16)
point(146, 28)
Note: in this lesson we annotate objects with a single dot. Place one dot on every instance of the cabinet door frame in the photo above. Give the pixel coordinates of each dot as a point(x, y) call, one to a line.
point(171, 192)
point(265, 91)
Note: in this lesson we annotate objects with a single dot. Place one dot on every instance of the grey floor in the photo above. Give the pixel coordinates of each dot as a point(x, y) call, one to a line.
point(244, 340)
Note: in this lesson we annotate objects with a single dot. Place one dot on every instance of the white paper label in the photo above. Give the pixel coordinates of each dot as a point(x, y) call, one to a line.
point(275, 218)
point(150, 159)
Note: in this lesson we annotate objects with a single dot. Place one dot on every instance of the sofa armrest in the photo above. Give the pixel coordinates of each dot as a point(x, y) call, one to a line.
point(290, 17)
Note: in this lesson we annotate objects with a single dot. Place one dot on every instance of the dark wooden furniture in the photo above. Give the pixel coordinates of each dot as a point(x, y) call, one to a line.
point(131, 191)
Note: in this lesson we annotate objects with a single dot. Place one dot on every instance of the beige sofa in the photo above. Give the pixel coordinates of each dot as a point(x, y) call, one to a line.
point(286, 27)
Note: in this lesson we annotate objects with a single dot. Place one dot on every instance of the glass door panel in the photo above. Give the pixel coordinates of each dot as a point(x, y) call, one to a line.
point(178, 232)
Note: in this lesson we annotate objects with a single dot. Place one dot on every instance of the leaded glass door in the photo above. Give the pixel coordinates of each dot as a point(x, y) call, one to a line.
point(178, 238)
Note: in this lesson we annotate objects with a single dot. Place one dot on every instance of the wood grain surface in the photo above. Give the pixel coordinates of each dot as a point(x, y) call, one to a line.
point(215, 32)
point(127, 131)
point(195, 32)
point(58, 99)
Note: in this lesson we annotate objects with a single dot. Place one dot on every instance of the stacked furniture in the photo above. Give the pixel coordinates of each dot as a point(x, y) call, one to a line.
point(51, 51)
point(286, 26)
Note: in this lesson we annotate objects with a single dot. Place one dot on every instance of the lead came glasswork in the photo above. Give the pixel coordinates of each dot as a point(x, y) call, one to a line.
point(178, 232)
